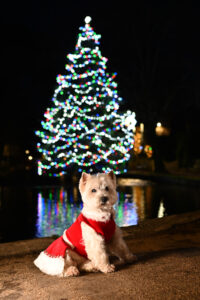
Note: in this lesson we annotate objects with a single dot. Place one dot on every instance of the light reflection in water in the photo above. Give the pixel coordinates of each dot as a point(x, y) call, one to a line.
point(126, 210)
point(58, 208)
point(46, 211)
point(55, 212)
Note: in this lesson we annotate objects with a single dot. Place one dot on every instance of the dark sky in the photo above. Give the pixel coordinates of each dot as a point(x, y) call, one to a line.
point(36, 38)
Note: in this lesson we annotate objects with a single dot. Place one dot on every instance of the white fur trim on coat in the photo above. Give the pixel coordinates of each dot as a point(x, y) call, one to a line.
point(66, 239)
point(50, 265)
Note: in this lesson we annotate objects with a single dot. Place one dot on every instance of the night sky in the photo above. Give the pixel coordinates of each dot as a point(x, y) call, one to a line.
point(36, 37)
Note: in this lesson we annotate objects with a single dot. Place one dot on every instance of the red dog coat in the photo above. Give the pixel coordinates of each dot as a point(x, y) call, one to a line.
point(74, 235)
point(51, 261)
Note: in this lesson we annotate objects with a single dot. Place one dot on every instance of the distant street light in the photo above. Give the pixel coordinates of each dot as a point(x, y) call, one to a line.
point(161, 130)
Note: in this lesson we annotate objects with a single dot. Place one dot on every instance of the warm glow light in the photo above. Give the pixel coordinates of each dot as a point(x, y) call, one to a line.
point(161, 210)
point(30, 157)
point(161, 130)
point(142, 127)
point(27, 151)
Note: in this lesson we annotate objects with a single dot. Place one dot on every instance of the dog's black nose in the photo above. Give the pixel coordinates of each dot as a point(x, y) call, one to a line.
point(104, 199)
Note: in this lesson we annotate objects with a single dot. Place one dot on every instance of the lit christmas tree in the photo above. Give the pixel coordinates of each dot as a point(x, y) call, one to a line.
point(83, 129)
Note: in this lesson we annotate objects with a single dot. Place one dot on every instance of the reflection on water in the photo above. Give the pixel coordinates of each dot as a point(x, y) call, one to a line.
point(126, 211)
point(27, 212)
point(58, 208)
point(161, 210)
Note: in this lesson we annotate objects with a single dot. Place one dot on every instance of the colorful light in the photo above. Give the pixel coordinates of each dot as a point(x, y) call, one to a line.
point(83, 127)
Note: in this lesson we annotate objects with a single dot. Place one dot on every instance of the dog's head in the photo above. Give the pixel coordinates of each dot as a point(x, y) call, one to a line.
point(98, 191)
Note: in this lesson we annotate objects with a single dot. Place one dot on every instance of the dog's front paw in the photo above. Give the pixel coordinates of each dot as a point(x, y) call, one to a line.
point(71, 271)
point(108, 268)
point(130, 258)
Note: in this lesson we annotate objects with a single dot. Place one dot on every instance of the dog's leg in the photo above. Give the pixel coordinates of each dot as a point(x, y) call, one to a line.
point(70, 268)
point(118, 247)
point(95, 248)
point(82, 263)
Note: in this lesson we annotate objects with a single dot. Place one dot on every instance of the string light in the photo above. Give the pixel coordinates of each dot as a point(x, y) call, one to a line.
point(83, 127)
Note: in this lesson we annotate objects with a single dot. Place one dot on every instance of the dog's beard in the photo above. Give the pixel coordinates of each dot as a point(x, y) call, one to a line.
point(105, 206)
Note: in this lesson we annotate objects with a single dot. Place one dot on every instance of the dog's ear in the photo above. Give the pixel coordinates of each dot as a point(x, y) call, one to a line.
point(113, 177)
point(83, 180)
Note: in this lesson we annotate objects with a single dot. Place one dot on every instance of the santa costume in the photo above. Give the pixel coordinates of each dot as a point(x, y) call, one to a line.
point(51, 261)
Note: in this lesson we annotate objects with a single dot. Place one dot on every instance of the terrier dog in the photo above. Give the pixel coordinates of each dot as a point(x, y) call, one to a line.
point(88, 242)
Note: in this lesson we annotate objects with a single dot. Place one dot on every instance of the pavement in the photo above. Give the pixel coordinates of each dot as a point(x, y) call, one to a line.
point(168, 266)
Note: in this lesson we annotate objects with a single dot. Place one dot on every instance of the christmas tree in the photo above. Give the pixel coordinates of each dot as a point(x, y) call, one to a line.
point(83, 129)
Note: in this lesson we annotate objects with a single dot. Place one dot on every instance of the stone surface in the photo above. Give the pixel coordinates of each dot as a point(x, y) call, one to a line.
point(168, 266)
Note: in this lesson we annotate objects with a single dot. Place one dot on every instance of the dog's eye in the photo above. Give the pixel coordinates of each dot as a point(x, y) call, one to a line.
point(94, 190)
point(107, 188)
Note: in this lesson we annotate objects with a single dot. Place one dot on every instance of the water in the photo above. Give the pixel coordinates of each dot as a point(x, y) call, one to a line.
point(46, 211)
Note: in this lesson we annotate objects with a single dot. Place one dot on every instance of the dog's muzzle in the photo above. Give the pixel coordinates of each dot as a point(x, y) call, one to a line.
point(104, 200)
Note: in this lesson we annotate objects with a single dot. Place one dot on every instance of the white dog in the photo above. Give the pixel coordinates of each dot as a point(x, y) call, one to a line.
point(86, 245)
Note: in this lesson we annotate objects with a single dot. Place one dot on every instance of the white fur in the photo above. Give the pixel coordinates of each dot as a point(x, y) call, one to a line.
point(95, 248)
point(98, 215)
